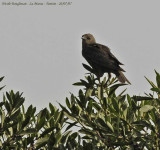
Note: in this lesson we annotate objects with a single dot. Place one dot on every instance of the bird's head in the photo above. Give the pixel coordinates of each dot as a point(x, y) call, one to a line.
point(88, 39)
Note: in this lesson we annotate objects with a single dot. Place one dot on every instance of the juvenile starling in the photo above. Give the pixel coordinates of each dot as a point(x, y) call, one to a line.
point(101, 59)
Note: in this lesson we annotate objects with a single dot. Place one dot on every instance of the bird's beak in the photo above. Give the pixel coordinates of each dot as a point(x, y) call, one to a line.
point(83, 38)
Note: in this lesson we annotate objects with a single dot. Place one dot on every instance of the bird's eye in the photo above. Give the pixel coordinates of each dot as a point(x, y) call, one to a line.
point(88, 38)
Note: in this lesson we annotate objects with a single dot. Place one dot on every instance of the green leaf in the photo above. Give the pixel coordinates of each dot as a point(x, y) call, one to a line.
point(28, 131)
point(58, 137)
point(15, 114)
point(1, 104)
point(96, 106)
point(64, 108)
point(151, 83)
point(141, 98)
point(41, 142)
point(82, 99)
point(86, 131)
point(29, 110)
point(33, 111)
point(19, 103)
point(43, 112)
point(88, 92)
point(85, 83)
point(100, 90)
point(69, 116)
point(125, 113)
point(157, 79)
point(2, 87)
point(156, 90)
point(74, 135)
point(153, 116)
point(71, 125)
point(75, 110)
point(115, 104)
point(110, 126)
point(87, 67)
point(143, 123)
point(89, 107)
point(2, 118)
point(72, 99)
point(23, 109)
point(79, 110)
point(146, 108)
point(7, 106)
point(41, 123)
point(129, 100)
point(87, 137)
point(47, 131)
point(113, 88)
point(57, 117)
point(78, 84)
point(26, 121)
point(1, 78)
point(11, 131)
point(105, 125)
point(122, 92)
point(68, 103)
point(65, 137)
point(9, 97)
point(51, 141)
point(90, 80)
point(52, 108)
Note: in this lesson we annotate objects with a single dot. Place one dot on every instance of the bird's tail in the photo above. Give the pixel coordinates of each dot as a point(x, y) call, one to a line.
point(122, 78)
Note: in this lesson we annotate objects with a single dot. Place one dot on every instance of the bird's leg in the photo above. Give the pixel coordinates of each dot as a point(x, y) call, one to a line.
point(109, 76)
point(99, 80)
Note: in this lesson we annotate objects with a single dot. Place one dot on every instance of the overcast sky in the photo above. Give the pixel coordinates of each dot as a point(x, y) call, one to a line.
point(40, 46)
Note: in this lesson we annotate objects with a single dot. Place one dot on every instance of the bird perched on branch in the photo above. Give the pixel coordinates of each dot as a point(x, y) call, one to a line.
point(101, 59)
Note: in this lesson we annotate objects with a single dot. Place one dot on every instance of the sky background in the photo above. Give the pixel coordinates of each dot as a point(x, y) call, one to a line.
point(40, 46)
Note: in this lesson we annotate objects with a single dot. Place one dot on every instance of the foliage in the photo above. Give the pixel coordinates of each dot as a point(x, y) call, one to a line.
point(23, 129)
point(115, 121)
point(97, 119)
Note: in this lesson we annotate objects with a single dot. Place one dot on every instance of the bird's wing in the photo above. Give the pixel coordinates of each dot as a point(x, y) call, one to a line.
point(100, 55)
point(107, 50)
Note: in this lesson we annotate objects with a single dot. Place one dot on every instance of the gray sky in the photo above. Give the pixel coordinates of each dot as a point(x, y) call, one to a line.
point(40, 46)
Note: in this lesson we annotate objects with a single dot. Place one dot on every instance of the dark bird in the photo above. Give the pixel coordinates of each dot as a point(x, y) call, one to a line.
point(101, 59)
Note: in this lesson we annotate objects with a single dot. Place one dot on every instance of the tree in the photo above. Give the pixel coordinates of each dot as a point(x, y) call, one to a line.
point(104, 119)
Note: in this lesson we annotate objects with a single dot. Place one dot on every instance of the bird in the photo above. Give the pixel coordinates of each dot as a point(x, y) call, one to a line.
point(101, 59)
